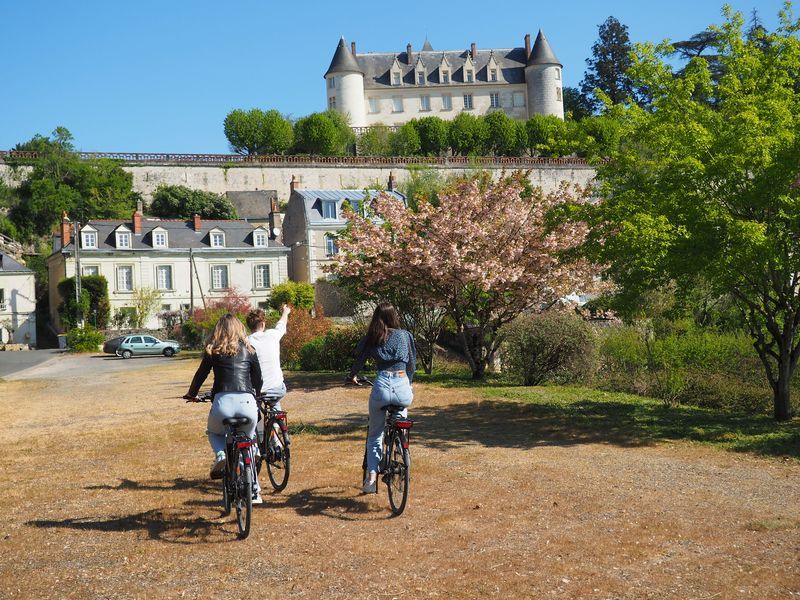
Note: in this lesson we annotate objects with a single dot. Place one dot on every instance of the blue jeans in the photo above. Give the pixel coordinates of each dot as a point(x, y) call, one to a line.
point(276, 391)
point(388, 388)
point(230, 404)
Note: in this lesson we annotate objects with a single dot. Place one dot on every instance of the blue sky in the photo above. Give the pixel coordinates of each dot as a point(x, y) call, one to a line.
point(160, 75)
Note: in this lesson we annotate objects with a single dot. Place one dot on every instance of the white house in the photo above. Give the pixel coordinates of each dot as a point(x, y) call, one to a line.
point(392, 88)
point(17, 302)
point(188, 262)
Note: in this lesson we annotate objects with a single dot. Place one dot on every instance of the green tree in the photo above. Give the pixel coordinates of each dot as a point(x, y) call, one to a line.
point(181, 202)
point(323, 133)
point(375, 141)
point(546, 135)
point(468, 135)
point(405, 141)
point(297, 294)
point(503, 138)
point(576, 104)
point(602, 135)
point(95, 306)
point(433, 135)
point(145, 303)
point(608, 66)
point(711, 191)
point(258, 132)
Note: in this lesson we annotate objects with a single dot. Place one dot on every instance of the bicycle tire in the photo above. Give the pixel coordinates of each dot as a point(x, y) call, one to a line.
point(244, 501)
point(397, 475)
point(278, 468)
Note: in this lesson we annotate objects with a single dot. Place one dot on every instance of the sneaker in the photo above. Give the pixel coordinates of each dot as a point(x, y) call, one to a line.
point(218, 468)
point(370, 488)
point(257, 499)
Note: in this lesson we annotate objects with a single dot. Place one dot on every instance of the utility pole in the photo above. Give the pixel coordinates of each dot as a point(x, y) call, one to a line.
point(76, 241)
point(191, 282)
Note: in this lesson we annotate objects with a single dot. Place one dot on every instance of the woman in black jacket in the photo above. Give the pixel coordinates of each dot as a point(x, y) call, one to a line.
point(237, 379)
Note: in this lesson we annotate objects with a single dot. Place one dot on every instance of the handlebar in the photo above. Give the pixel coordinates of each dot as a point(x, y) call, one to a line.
point(358, 381)
point(201, 397)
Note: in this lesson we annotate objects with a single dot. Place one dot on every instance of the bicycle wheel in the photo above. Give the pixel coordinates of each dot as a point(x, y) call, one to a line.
point(244, 499)
point(278, 458)
point(397, 475)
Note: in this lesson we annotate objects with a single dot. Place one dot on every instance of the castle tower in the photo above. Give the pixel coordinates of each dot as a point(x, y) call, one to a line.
point(344, 81)
point(543, 78)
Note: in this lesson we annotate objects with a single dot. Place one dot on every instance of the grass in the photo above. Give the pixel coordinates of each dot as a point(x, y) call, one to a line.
point(651, 420)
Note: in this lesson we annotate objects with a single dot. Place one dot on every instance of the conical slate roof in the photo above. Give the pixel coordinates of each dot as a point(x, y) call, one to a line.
point(426, 47)
point(542, 54)
point(343, 60)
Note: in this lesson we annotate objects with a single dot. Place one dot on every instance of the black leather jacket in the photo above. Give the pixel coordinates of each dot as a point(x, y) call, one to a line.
point(240, 373)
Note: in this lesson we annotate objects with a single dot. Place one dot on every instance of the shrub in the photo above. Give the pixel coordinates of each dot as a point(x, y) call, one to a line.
point(86, 339)
point(95, 306)
point(551, 346)
point(335, 351)
point(301, 329)
point(297, 295)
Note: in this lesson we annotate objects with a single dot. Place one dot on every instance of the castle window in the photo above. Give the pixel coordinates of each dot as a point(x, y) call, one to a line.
point(425, 103)
point(467, 101)
point(397, 104)
point(558, 74)
point(420, 77)
point(395, 78)
point(518, 99)
point(447, 102)
point(558, 94)
point(493, 75)
point(332, 102)
point(445, 76)
point(494, 100)
point(373, 105)
point(470, 76)
point(332, 83)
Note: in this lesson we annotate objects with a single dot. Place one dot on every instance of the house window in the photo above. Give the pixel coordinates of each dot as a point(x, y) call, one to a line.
point(217, 239)
point(2, 299)
point(164, 277)
point(329, 209)
point(518, 99)
point(397, 104)
point(425, 103)
point(373, 105)
point(260, 239)
point(89, 239)
point(447, 102)
point(420, 77)
point(445, 76)
point(90, 270)
point(123, 240)
point(493, 75)
point(467, 101)
point(125, 279)
point(330, 246)
point(470, 76)
point(558, 94)
point(494, 100)
point(396, 78)
point(159, 239)
point(332, 102)
point(219, 277)
point(262, 276)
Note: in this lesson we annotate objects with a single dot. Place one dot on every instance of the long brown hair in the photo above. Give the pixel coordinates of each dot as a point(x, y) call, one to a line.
point(227, 337)
point(383, 319)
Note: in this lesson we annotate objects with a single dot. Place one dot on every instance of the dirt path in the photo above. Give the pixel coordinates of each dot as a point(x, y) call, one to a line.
point(105, 495)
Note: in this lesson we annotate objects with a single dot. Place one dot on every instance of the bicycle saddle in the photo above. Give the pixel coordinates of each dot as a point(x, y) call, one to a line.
point(394, 408)
point(237, 421)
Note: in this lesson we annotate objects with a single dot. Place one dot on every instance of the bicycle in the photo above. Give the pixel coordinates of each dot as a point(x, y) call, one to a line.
point(239, 475)
point(273, 442)
point(395, 465)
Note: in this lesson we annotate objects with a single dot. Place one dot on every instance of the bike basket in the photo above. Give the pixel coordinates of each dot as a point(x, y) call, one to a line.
point(404, 423)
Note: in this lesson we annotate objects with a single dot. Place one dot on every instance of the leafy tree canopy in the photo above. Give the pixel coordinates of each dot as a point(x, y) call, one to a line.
point(258, 132)
point(326, 133)
point(181, 202)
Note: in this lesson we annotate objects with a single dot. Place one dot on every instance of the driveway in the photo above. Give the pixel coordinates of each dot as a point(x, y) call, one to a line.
point(15, 362)
point(76, 365)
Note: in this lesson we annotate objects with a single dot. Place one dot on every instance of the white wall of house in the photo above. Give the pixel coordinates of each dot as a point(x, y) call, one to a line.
point(17, 308)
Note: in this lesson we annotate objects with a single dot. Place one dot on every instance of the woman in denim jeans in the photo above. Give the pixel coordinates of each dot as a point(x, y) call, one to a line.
point(396, 358)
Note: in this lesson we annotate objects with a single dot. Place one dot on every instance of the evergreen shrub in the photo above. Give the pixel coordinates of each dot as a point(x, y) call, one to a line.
point(86, 339)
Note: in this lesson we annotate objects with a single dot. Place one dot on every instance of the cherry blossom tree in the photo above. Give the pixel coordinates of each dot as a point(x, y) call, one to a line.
point(486, 252)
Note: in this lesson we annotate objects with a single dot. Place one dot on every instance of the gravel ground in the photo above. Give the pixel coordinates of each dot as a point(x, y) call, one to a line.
point(106, 496)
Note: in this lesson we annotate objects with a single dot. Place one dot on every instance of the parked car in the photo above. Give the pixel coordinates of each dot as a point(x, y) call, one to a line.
point(137, 345)
point(110, 347)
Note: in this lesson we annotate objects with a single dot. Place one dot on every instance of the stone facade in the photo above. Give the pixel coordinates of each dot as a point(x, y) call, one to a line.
point(17, 303)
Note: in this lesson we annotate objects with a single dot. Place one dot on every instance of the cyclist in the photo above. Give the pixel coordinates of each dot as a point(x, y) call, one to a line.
point(237, 378)
point(396, 357)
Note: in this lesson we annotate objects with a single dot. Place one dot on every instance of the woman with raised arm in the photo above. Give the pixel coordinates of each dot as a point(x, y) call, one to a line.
point(237, 379)
point(396, 358)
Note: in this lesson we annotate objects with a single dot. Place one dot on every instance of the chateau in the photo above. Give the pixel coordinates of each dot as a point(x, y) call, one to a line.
point(393, 88)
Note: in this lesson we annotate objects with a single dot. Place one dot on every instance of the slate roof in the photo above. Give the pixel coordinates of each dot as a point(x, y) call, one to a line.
point(343, 60)
point(313, 199)
point(180, 235)
point(252, 204)
point(9, 265)
point(542, 54)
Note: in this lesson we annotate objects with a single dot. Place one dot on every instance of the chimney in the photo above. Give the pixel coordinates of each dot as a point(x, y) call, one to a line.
point(353, 48)
point(65, 229)
point(473, 51)
point(294, 184)
point(137, 219)
point(409, 54)
point(275, 220)
point(527, 46)
point(391, 182)
point(198, 224)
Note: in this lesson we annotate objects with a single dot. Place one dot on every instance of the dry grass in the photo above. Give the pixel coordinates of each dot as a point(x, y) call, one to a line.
point(105, 495)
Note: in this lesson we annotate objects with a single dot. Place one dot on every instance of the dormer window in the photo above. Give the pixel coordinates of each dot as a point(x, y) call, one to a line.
point(396, 73)
point(328, 209)
point(159, 238)
point(396, 78)
point(470, 77)
point(492, 74)
point(420, 77)
point(123, 238)
point(260, 238)
point(445, 76)
point(217, 239)
point(89, 239)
